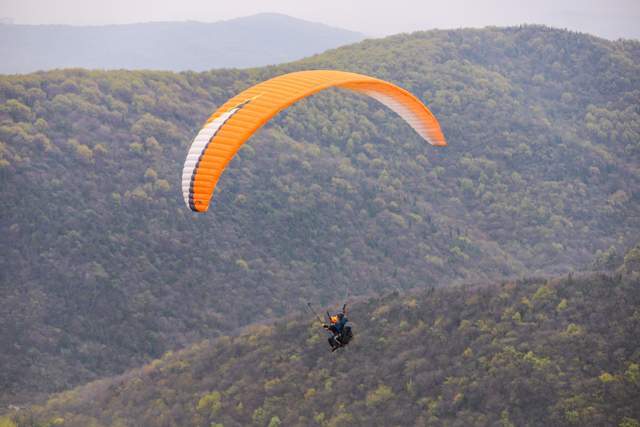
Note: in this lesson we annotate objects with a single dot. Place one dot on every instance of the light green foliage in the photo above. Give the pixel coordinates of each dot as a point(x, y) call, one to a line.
point(85, 152)
point(259, 416)
point(562, 305)
point(6, 422)
point(162, 185)
point(552, 183)
point(443, 369)
point(150, 126)
point(151, 174)
point(275, 421)
point(309, 393)
point(434, 260)
point(544, 293)
point(466, 185)
point(210, 403)
point(517, 317)
point(606, 377)
point(574, 330)
point(319, 417)
point(504, 419)
point(632, 261)
point(272, 384)
point(629, 422)
point(18, 111)
point(459, 253)
point(633, 373)
point(527, 303)
point(379, 396)
point(607, 259)
point(82, 150)
point(138, 193)
point(328, 384)
point(97, 272)
point(152, 144)
point(242, 264)
point(538, 362)
point(100, 149)
point(340, 419)
point(136, 147)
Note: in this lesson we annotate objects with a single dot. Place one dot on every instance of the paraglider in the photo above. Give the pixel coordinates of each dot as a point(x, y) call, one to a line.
point(237, 119)
point(240, 117)
point(341, 333)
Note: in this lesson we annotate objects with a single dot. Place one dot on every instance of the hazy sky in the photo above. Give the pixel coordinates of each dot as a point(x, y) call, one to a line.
point(606, 18)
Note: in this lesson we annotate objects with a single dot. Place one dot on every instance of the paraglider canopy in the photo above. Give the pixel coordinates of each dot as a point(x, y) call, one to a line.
point(237, 119)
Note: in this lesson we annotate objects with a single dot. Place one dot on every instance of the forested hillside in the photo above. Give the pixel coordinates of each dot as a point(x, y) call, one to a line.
point(536, 352)
point(102, 266)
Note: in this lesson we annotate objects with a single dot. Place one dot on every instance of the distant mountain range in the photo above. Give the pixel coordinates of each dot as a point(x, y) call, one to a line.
point(251, 41)
point(103, 268)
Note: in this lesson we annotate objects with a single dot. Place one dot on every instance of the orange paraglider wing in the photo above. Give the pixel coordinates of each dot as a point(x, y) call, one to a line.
point(236, 120)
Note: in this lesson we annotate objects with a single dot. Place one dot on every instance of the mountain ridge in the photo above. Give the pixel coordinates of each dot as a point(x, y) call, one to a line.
point(533, 351)
point(251, 41)
point(103, 268)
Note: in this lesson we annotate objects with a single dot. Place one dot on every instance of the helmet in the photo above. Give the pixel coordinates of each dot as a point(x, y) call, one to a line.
point(334, 319)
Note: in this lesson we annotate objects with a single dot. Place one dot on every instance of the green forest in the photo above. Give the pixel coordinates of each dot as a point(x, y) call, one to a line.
point(102, 268)
point(560, 352)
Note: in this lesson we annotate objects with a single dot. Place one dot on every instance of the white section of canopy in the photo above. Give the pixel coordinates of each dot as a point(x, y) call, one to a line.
point(404, 112)
point(198, 146)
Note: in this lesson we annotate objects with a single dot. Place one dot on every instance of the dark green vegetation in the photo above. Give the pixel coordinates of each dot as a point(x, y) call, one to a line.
point(532, 352)
point(251, 41)
point(102, 266)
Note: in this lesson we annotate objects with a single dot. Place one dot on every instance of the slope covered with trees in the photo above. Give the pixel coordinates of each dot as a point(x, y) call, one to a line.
point(102, 267)
point(561, 352)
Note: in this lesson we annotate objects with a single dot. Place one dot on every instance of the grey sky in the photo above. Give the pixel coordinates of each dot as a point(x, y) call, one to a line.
point(606, 18)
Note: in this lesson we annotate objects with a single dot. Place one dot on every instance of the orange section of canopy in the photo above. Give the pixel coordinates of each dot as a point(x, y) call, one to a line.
point(252, 108)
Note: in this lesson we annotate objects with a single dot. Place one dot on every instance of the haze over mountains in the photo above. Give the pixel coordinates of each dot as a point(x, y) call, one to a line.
point(251, 41)
point(104, 268)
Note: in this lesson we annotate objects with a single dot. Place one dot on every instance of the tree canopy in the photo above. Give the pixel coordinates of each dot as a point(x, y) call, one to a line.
point(102, 267)
point(534, 352)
